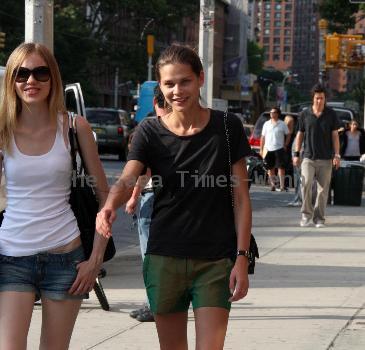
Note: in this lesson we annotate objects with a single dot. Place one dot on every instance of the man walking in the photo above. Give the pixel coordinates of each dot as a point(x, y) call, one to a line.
point(275, 138)
point(318, 127)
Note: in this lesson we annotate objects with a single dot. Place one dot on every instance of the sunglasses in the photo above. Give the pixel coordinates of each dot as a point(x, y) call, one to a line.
point(41, 73)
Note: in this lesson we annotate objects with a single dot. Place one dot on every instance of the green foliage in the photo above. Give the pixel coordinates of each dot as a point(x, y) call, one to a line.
point(12, 23)
point(339, 13)
point(93, 37)
point(255, 57)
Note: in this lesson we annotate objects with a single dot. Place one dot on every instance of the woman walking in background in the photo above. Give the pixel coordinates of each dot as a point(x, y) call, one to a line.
point(40, 247)
point(198, 245)
point(353, 142)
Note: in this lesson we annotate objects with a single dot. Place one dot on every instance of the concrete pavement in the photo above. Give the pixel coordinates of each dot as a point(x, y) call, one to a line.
point(308, 291)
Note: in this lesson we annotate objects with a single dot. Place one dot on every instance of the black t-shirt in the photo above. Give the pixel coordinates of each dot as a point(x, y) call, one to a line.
point(192, 214)
point(318, 133)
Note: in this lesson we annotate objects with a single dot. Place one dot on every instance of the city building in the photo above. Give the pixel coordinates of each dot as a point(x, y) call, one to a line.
point(288, 32)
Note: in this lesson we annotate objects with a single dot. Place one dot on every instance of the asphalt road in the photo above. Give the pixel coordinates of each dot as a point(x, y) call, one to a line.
point(124, 232)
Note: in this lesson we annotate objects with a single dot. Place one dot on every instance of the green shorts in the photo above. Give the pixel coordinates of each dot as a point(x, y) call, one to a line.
point(172, 283)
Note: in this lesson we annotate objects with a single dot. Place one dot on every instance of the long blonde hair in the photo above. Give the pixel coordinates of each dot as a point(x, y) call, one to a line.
point(10, 103)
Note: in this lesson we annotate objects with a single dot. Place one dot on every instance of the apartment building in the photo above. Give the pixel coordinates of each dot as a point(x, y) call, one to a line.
point(288, 31)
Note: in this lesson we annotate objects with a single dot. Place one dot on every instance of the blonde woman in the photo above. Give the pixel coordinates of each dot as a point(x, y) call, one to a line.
point(40, 247)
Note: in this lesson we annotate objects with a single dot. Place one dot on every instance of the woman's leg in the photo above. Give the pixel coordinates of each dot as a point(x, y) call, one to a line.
point(58, 320)
point(172, 330)
point(210, 326)
point(15, 315)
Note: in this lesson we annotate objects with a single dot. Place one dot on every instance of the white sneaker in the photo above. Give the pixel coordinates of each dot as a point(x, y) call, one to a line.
point(305, 222)
point(320, 225)
point(294, 204)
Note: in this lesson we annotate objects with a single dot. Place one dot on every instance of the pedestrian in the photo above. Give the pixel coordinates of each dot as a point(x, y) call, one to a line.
point(144, 193)
point(194, 253)
point(297, 200)
point(275, 138)
point(353, 142)
point(40, 247)
point(318, 127)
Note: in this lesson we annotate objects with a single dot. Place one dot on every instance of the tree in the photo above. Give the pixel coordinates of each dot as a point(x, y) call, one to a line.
point(255, 57)
point(339, 13)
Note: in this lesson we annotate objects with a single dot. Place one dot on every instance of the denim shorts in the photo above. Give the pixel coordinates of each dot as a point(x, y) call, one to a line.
point(48, 275)
point(172, 283)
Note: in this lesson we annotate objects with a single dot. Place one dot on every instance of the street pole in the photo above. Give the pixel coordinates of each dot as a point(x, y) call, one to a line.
point(39, 22)
point(150, 66)
point(116, 87)
point(323, 26)
point(150, 51)
point(206, 48)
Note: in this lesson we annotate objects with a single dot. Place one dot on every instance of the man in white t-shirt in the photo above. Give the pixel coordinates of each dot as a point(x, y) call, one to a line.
point(275, 138)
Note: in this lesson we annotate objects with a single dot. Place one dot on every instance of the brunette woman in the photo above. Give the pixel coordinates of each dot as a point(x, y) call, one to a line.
point(198, 245)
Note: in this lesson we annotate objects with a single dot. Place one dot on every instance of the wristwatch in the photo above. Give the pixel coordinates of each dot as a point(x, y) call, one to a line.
point(245, 253)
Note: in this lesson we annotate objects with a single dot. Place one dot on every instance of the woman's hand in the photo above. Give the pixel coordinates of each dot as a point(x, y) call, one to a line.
point(104, 220)
point(131, 205)
point(87, 271)
point(238, 281)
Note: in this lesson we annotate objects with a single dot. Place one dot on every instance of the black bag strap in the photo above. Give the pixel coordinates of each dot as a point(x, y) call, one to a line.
point(225, 120)
point(75, 145)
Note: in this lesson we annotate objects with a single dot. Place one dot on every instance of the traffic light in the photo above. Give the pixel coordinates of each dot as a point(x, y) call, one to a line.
point(332, 49)
point(345, 51)
point(150, 44)
point(2, 40)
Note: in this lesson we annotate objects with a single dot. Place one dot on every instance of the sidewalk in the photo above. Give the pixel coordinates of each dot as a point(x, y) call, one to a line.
point(308, 291)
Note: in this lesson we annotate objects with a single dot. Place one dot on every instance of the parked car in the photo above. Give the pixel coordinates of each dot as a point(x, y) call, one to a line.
point(255, 138)
point(111, 134)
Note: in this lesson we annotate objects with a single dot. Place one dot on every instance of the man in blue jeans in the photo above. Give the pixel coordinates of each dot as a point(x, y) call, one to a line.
point(144, 190)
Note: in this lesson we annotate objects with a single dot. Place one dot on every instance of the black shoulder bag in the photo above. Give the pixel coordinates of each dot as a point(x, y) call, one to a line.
point(254, 251)
point(83, 200)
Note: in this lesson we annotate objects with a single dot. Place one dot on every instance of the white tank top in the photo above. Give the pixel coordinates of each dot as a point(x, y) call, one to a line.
point(38, 215)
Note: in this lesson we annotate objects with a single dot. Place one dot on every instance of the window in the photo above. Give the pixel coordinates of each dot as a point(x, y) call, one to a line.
point(267, 14)
point(276, 57)
point(267, 6)
point(277, 41)
point(267, 24)
point(277, 15)
point(277, 49)
point(286, 57)
point(266, 40)
point(267, 31)
point(287, 32)
point(276, 32)
point(266, 56)
point(288, 7)
point(287, 24)
point(286, 48)
point(266, 48)
point(277, 24)
point(278, 7)
point(287, 41)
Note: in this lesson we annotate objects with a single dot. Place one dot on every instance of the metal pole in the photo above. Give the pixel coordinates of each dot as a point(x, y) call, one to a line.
point(323, 25)
point(206, 47)
point(150, 66)
point(116, 87)
point(39, 22)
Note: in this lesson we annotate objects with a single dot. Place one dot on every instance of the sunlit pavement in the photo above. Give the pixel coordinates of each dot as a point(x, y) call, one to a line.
point(307, 291)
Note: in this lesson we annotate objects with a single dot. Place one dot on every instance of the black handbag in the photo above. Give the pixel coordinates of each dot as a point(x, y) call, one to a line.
point(83, 199)
point(254, 250)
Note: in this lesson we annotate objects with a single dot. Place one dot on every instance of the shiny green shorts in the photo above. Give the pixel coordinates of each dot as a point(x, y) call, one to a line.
point(172, 283)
